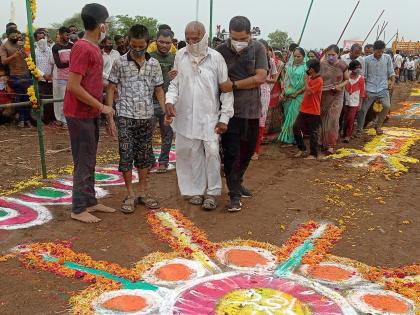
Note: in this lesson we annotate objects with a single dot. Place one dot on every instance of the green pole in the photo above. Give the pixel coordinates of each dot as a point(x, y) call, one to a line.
point(306, 21)
point(39, 125)
point(211, 21)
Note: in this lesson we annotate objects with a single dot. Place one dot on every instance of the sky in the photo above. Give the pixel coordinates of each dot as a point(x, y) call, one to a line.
point(326, 21)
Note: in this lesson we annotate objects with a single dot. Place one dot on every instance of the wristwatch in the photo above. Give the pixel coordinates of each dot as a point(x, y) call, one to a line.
point(234, 85)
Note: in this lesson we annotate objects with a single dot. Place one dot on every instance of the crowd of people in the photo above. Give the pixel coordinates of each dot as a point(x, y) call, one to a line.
point(217, 102)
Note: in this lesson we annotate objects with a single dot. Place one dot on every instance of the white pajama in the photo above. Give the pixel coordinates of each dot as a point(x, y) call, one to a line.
point(195, 94)
point(198, 167)
point(59, 90)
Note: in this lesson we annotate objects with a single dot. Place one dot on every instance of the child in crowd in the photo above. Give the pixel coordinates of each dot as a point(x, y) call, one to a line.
point(5, 95)
point(309, 117)
point(354, 94)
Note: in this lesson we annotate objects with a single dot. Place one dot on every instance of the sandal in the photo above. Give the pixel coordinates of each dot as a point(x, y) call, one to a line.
point(210, 203)
point(162, 169)
point(196, 200)
point(129, 205)
point(148, 202)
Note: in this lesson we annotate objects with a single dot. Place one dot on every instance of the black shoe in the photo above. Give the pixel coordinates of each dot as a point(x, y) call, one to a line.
point(235, 205)
point(245, 193)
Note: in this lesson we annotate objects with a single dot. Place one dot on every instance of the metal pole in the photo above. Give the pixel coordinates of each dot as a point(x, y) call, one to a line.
point(197, 9)
point(379, 32)
point(39, 126)
point(23, 104)
point(348, 22)
point(211, 21)
point(383, 30)
point(306, 21)
point(392, 38)
point(373, 27)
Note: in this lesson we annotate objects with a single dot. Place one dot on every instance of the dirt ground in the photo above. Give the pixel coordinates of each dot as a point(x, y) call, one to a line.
point(381, 216)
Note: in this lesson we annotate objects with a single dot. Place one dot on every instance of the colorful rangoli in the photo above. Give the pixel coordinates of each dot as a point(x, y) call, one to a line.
point(28, 209)
point(386, 152)
point(229, 278)
point(407, 111)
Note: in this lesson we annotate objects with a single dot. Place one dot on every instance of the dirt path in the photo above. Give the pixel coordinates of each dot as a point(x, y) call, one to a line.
point(380, 213)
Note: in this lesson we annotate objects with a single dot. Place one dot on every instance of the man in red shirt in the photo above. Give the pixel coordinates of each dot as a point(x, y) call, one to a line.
point(82, 108)
point(309, 116)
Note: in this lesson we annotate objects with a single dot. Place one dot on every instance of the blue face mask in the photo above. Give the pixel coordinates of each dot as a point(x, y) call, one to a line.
point(332, 59)
point(138, 53)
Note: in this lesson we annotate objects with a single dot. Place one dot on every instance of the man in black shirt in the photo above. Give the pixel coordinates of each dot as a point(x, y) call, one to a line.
point(247, 65)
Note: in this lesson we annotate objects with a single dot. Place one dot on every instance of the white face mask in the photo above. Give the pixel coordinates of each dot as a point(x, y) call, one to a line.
point(2, 85)
point(103, 35)
point(42, 44)
point(200, 49)
point(239, 46)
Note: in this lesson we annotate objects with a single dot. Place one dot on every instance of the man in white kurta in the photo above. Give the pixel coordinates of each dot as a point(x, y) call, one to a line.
point(201, 115)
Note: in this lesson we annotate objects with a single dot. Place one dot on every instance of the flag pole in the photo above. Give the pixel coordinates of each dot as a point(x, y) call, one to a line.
point(35, 84)
point(197, 9)
point(306, 21)
point(211, 21)
point(382, 31)
point(348, 22)
point(373, 27)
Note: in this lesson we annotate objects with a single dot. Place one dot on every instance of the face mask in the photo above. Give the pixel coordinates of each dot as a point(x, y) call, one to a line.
point(42, 44)
point(2, 85)
point(199, 49)
point(332, 59)
point(356, 72)
point(103, 34)
point(138, 53)
point(239, 46)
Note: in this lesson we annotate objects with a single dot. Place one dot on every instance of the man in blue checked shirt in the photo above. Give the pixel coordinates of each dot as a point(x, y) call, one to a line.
point(378, 69)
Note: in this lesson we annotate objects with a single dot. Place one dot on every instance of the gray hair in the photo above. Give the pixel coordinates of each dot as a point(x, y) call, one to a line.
point(196, 26)
point(356, 46)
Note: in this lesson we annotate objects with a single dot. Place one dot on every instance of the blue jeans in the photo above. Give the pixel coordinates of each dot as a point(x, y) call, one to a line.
point(383, 96)
point(20, 84)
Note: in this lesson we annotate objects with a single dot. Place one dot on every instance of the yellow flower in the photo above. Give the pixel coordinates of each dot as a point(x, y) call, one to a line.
point(377, 107)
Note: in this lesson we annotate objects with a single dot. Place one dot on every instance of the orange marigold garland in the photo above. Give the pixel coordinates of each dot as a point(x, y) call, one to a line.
point(33, 68)
point(32, 96)
point(198, 237)
point(302, 233)
point(27, 45)
point(323, 245)
point(33, 9)
point(62, 251)
point(400, 280)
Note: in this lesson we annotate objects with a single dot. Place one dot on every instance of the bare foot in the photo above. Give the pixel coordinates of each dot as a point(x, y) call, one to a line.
point(255, 157)
point(311, 157)
point(100, 208)
point(85, 217)
point(299, 154)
